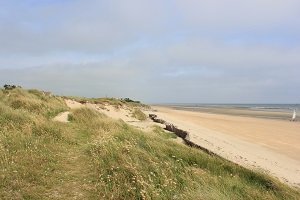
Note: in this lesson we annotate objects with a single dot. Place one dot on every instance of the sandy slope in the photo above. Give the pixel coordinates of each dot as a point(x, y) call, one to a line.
point(271, 145)
point(62, 117)
point(111, 111)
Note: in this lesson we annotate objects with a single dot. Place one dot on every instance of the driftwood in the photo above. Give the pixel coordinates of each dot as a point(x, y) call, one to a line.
point(161, 121)
point(181, 133)
point(152, 116)
point(155, 119)
point(170, 127)
point(192, 144)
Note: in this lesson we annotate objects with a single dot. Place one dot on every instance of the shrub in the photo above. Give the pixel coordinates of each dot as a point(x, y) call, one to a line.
point(10, 87)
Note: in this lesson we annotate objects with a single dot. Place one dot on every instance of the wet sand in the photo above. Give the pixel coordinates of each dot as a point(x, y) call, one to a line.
point(257, 113)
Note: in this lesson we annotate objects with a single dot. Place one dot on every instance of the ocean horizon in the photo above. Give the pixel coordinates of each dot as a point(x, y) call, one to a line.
point(262, 107)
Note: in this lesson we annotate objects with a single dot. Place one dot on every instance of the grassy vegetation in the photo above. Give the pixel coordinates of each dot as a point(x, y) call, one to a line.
point(96, 157)
point(118, 103)
point(138, 114)
point(29, 144)
point(33, 101)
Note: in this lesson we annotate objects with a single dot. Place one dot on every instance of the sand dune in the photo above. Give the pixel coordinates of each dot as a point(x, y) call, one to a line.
point(124, 113)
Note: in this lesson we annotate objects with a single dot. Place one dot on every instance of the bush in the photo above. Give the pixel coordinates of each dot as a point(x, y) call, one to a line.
point(130, 100)
point(10, 87)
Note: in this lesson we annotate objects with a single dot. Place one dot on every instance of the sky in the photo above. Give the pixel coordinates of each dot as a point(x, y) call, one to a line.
point(171, 51)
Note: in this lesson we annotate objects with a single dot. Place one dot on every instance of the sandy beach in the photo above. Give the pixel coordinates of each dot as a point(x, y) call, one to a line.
point(270, 145)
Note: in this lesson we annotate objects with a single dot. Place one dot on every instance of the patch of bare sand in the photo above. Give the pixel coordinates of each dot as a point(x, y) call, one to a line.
point(73, 104)
point(124, 113)
point(268, 145)
point(62, 117)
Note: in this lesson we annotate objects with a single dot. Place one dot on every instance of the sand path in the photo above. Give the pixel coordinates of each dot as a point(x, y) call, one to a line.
point(269, 145)
point(62, 117)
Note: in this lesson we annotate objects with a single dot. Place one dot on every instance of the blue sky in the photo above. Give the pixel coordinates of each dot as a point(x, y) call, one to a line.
point(205, 51)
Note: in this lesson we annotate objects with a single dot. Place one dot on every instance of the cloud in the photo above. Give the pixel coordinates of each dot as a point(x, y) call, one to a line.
point(156, 51)
point(261, 15)
point(84, 26)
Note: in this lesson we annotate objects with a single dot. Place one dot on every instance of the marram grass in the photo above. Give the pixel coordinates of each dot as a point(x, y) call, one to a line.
point(96, 157)
point(138, 114)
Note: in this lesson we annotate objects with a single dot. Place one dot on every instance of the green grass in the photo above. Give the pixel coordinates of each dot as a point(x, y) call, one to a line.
point(96, 157)
point(33, 101)
point(138, 114)
point(162, 133)
point(118, 103)
point(29, 145)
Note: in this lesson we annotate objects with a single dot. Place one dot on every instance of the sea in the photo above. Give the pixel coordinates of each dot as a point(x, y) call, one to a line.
point(271, 111)
point(259, 107)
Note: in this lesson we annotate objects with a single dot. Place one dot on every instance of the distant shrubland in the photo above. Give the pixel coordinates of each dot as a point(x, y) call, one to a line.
point(109, 100)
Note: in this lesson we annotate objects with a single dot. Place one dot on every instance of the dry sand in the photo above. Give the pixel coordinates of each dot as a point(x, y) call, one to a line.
point(266, 144)
point(62, 117)
point(123, 113)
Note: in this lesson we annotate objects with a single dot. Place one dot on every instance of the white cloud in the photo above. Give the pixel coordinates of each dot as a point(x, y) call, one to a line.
point(206, 51)
point(236, 14)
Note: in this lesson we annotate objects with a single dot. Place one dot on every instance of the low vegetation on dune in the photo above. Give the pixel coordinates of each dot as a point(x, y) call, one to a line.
point(138, 114)
point(118, 103)
point(33, 102)
point(30, 143)
point(96, 157)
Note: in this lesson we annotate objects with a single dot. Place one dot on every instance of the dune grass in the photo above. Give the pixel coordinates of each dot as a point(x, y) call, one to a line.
point(118, 103)
point(29, 144)
point(133, 165)
point(138, 114)
point(33, 101)
point(96, 157)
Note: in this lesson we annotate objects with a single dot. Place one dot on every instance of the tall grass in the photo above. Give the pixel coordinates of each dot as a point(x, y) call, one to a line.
point(29, 145)
point(34, 101)
point(130, 164)
point(138, 114)
point(96, 157)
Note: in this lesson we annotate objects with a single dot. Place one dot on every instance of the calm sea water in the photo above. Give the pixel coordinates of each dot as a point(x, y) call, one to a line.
point(268, 107)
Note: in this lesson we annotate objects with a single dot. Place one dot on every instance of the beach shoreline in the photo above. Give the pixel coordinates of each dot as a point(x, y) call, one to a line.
point(265, 144)
point(257, 112)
